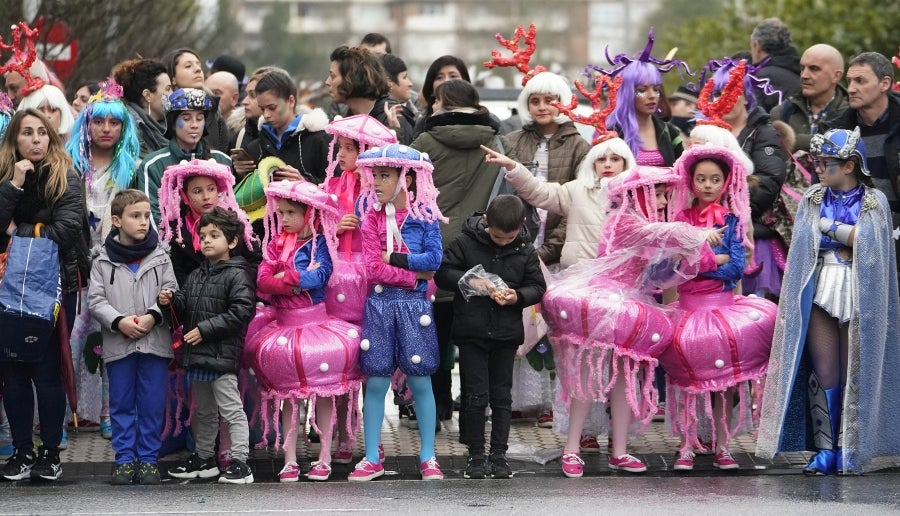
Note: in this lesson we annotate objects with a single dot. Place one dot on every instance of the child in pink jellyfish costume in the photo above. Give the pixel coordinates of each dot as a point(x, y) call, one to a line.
point(722, 339)
point(304, 354)
point(348, 287)
point(604, 322)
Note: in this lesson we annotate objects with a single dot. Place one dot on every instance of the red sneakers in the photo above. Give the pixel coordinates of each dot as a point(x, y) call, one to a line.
point(628, 463)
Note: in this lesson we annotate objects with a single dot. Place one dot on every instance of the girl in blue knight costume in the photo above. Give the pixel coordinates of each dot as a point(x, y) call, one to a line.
point(836, 350)
point(402, 249)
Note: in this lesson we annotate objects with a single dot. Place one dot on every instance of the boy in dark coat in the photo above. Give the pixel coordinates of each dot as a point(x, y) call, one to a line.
point(488, 327)
point(215, 305)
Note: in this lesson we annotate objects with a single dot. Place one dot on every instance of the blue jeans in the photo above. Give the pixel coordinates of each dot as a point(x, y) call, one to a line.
point(137, 406)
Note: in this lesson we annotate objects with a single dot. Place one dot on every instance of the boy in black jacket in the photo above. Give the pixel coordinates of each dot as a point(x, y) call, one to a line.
point(488, 327)
point(215, 305)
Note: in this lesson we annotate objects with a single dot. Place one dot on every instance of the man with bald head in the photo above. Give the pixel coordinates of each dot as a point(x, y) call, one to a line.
point(821, 98)
point(225, 86)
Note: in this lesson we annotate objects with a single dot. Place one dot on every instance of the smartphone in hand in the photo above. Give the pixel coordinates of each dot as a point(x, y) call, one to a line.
point(240, 155)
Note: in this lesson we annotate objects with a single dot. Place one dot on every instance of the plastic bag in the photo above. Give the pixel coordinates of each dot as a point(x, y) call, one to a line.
point(478, 282)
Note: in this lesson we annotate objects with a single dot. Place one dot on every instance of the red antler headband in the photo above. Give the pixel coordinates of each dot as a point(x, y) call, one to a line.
point(521, 56)
point(21, 61)
point(598, 115)
point(733, 89)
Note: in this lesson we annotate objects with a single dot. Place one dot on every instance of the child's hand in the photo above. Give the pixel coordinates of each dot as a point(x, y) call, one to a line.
point(722, 259)
point(492, 156)
point(714, 236)
point(425, 275)
point(146, 322)
point(280, 275)
point(386, 257)
point(505, 297)
point(165, 297)
point(348, 222)
point(131, 328)
point(193, 337)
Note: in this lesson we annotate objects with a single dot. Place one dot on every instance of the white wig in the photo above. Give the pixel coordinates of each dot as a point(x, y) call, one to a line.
point(547, 83)
point(709, 133)
point(617, 146)
point(55, 98)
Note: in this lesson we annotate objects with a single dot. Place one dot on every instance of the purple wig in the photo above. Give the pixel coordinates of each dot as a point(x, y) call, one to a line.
point(624, 117)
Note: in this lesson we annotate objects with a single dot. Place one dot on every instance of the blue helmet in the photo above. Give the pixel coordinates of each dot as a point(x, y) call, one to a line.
point(842, 144)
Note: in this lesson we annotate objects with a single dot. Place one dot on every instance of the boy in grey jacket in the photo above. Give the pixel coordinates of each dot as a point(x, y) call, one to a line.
point(126, 279)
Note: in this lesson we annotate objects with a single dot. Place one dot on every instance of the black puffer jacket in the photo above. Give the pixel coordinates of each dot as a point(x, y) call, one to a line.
point(64, 222)
point(760, 141)
point(305, 150)
point(220, 301)
point(517, 264)
point(783, 72)
point(185, 259)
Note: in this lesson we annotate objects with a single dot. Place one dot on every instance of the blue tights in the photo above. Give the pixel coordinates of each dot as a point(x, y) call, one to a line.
point(373, 413)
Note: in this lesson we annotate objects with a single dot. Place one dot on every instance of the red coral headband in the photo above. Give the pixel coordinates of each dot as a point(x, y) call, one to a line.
point(21, 61)
point(521, 56)
point(734, 88)
point(598, 115)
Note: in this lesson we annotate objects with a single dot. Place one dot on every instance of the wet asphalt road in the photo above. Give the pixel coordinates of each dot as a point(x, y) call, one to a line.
point(525, 494)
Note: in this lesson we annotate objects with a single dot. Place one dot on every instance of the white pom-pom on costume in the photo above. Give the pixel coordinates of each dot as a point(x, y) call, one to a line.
point(260, 304)
point(563, 314)
point(720, 363)
point(334, 197)
point(379, 289)
point(425, 320)
point(416, 359)
point(353, 333)
point(281, 341)
point(655, 337)
point(341, 298)
point(323, 367)
point(364, 345)
point(754, 315)
point(752, 295)
point(431, 298)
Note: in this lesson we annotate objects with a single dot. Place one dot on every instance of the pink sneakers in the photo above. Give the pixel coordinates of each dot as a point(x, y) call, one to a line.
point(684, 461)
point(343, 455)
point(365, 471)
point(319, 472)
point(724, 460)
point(628, 463)
point(572, 465)
point(431, 470)
point(289, 473)
point(589, 444)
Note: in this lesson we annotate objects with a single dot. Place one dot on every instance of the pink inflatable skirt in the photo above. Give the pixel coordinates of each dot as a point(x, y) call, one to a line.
point(303, 354)
point(721, 341)
point(591, 334)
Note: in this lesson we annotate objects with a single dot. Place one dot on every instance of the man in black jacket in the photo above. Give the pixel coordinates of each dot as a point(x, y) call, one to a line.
point(487, 321)
point(779, 61)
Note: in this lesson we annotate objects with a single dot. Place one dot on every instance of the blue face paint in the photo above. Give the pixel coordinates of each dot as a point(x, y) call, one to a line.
point(179, 123)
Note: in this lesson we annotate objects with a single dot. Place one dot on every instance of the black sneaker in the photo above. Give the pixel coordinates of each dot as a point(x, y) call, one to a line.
point(47, 466)
point(123, 474)
point(475, 467)
point(500, 467)
point(195, 467)
point(312, 435)
point(19, 465)
point(147, 475)
point(411, 420)
point(238, 472)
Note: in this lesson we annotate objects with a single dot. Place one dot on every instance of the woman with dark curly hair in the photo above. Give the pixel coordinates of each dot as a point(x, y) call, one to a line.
point(144, 83)
point(357, 78)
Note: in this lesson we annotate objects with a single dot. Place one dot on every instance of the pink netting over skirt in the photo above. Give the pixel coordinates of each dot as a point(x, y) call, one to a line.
point(591, 334)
